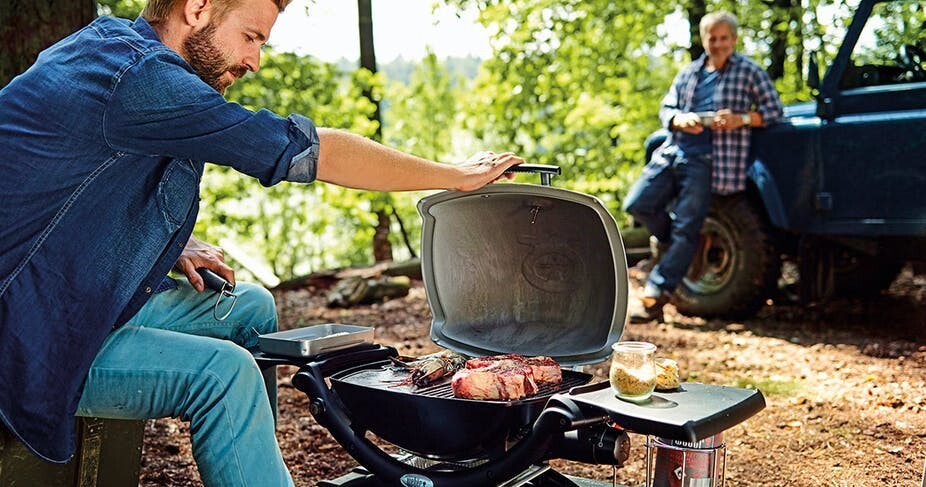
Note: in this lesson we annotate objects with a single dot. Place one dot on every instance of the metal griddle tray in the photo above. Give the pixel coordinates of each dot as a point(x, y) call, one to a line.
point(315, 339)
point(691, 413)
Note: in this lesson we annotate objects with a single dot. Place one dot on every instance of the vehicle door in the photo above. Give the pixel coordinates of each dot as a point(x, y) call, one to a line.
point(873, 141)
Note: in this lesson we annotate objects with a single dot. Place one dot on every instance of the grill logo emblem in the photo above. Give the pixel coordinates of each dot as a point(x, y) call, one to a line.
point(415, 480)
point(551, 266)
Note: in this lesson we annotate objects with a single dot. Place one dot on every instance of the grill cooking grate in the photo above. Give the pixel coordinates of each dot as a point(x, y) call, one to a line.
point(444, 390)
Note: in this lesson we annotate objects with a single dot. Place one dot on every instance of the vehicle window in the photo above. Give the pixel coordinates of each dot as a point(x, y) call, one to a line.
point(891, 47)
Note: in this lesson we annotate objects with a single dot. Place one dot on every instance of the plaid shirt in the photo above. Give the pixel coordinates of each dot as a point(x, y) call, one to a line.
point(743, 86)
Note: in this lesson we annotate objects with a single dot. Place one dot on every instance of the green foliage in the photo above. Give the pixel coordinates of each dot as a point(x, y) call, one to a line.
point(421, 120)
point(400, 69)
point(299, 228)
point(421, 116)
point(127, 9)
point(295, 228)
point(892, 26)
point(576, 83)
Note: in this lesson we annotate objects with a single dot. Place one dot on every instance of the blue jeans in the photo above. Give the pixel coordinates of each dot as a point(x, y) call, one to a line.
point(174, 359)
point(686, 180)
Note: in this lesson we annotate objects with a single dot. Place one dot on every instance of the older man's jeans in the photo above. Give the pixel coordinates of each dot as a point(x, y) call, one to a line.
point(174, 359)
point(686, 180)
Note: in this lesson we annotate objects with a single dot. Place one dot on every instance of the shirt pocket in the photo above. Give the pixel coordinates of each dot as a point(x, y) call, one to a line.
point(178, 190)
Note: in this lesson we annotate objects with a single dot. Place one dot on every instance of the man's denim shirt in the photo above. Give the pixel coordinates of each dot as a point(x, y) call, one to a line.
point(102, 145)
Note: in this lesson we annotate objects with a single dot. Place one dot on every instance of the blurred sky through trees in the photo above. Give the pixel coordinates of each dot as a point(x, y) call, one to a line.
point(401, 28)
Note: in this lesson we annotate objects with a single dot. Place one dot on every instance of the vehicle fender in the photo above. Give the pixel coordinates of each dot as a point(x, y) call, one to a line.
point(653, 142)
point(764, 183)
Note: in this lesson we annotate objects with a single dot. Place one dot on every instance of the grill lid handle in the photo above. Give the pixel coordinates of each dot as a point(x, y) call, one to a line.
point(546, 171)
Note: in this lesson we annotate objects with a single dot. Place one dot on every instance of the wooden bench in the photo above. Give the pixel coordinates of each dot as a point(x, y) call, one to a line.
point(108, 455)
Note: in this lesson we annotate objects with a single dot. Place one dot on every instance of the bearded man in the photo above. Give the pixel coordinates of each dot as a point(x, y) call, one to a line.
point(104, 141)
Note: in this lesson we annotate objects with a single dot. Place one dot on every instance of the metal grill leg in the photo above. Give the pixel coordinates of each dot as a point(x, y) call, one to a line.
point(269, 374)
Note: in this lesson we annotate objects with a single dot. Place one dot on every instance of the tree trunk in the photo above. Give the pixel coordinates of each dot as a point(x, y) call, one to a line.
point(695, 10)
point(28, 27)
point(778, 50)
point(368, 57)
point(797, 13)
point(382, 249)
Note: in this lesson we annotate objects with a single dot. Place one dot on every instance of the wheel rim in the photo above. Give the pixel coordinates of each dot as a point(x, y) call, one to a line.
point(714, 259)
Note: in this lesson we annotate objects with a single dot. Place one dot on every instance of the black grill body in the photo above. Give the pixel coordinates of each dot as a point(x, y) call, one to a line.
point(432, 423)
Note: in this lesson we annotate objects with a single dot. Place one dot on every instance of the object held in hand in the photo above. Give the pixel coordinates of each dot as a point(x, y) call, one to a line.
point(545, 171)
point(224, 289)
point(707, 118)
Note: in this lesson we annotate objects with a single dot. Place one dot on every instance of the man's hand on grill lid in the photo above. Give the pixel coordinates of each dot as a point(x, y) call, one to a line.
point(484, 168)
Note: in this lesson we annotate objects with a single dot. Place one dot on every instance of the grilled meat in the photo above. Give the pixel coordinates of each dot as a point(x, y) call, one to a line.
point(494, 382)
point(430, 368)
point(545, 369)
point(504, 377)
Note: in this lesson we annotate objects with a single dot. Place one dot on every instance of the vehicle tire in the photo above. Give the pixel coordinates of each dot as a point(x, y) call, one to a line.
point(736, 265)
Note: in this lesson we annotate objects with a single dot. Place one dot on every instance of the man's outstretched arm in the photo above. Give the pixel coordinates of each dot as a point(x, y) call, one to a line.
point(354, 161)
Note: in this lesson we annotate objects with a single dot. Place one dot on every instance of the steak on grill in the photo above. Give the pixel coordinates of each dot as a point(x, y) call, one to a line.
point(545, 369)
point(504, 377)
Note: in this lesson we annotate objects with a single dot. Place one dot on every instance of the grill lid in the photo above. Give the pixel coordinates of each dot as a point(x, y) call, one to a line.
point(517, 268)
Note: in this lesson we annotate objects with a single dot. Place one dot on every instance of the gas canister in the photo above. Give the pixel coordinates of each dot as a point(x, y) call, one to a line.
point(688, 464)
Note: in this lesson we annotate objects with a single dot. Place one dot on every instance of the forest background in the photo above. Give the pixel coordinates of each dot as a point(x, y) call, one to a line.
point(574, 83)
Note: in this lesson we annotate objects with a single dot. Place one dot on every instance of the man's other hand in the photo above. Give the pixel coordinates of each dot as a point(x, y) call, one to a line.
point(727, 120)
point(201, 254)
point(484, 168)
point(690, 123)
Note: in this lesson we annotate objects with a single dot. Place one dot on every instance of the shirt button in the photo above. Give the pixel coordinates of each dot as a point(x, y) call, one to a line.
point(180, 245)
point(148, 290)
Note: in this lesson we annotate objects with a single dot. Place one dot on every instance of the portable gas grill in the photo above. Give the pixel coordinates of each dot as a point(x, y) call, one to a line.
point(510, 268)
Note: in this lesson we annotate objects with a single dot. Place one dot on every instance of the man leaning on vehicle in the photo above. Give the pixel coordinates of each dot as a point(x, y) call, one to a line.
point(709, 110)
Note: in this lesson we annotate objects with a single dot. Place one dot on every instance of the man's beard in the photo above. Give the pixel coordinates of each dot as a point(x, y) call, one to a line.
point(207, 59)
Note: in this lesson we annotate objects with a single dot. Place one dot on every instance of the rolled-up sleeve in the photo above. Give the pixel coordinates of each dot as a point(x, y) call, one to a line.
point(304, 165)
point(768, 104)
point(158, 106)
point(670, 103)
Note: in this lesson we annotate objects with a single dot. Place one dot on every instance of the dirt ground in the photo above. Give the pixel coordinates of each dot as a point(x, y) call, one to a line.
point(845, 388)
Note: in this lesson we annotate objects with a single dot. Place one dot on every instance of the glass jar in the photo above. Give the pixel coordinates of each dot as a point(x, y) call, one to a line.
point(633, 370)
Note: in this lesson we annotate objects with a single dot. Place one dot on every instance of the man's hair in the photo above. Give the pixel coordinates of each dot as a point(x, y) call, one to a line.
point(156, 11)
point(714, 18)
